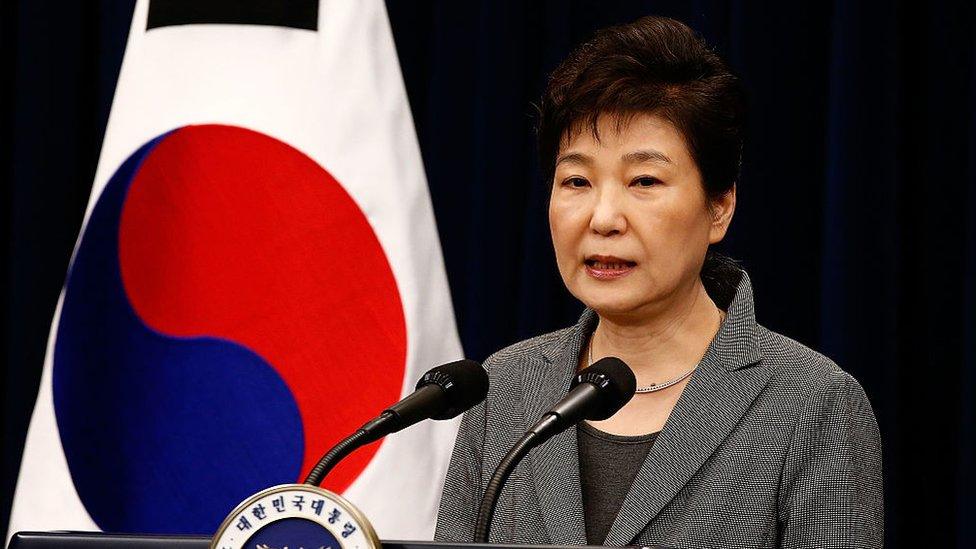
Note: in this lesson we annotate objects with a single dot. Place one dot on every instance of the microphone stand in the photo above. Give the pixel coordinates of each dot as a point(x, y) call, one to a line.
point(597, 393)
point(370, 431)
point(442, 393)
point(529, 440)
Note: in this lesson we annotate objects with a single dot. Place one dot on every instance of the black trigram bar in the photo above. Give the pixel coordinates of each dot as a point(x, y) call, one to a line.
point(297, 14)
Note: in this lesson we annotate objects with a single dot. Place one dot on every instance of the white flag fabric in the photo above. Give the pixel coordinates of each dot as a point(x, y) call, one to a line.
point(258, 273)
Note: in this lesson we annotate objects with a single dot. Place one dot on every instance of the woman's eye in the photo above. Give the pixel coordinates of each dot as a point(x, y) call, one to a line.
point(576, 182)
point(645, 182)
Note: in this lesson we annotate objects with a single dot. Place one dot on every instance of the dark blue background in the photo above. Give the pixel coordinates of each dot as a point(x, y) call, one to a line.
point(856, 216)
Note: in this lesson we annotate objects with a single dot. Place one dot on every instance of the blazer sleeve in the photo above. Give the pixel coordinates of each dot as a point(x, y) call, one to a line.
point(461, 496)
point(831, 493)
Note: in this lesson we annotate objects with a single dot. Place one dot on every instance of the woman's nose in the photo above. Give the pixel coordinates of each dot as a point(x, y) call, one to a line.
point(608, 216)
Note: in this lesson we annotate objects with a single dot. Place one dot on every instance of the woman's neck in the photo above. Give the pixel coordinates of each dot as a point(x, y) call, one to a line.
point(661, 346)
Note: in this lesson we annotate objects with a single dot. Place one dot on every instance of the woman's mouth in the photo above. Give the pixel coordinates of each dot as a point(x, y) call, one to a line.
point(608, 267)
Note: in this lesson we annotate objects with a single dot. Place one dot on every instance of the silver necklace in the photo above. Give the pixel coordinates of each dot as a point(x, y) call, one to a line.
point(653, 387)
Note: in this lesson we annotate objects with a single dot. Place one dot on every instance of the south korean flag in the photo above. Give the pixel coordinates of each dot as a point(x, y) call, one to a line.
point(258, 274)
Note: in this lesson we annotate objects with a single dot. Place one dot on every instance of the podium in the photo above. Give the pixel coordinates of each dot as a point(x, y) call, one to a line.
point(97, 540)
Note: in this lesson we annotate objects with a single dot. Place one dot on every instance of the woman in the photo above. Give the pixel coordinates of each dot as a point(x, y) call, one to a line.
point(738, 437)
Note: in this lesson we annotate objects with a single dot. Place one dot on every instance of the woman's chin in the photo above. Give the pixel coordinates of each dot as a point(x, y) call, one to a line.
point(613, 305)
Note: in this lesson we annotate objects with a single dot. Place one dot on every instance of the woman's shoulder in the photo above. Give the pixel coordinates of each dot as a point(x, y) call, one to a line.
point(802, 372)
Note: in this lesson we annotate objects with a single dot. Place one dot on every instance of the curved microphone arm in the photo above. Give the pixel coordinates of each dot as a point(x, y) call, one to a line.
point(363, 436)
point(596, 394)
point(442, 393)
point(489, 501)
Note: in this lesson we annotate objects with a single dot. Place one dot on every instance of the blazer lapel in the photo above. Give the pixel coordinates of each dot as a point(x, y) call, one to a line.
point(555, 464)
point(718, 394)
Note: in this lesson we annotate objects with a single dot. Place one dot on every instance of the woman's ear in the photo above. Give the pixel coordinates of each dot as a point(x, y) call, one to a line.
point(721, 210)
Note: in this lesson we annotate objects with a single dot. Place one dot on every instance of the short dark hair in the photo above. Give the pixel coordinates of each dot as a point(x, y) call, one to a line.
point(654, 65)
point(659, 66)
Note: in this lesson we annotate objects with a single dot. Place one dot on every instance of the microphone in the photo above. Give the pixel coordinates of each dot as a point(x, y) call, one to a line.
point(596, 393)
point(443, 392)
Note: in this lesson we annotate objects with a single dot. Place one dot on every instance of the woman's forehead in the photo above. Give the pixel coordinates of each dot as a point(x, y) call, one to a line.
point(635, 137)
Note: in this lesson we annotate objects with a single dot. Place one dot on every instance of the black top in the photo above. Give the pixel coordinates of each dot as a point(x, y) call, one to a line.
point(608, 466)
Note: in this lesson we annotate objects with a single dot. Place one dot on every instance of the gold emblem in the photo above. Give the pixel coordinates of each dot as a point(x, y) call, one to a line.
point(296, 516)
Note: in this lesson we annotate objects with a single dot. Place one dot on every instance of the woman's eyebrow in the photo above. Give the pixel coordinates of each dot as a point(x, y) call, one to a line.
point(575, 158)
point(645, 155)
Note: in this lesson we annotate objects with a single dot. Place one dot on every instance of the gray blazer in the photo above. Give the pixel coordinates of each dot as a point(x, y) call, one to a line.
point(769, 445)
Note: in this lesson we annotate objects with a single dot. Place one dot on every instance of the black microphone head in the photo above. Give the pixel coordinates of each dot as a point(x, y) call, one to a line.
point(616, 382)
point(465, 384)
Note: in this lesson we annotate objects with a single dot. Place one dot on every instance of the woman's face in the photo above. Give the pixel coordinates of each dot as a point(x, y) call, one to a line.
point(629, 217)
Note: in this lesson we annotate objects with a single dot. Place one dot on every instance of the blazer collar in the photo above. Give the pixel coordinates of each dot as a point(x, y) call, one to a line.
point(715, 398)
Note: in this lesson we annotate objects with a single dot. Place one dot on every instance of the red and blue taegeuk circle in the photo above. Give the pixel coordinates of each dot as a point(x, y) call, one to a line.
point(228, 316)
